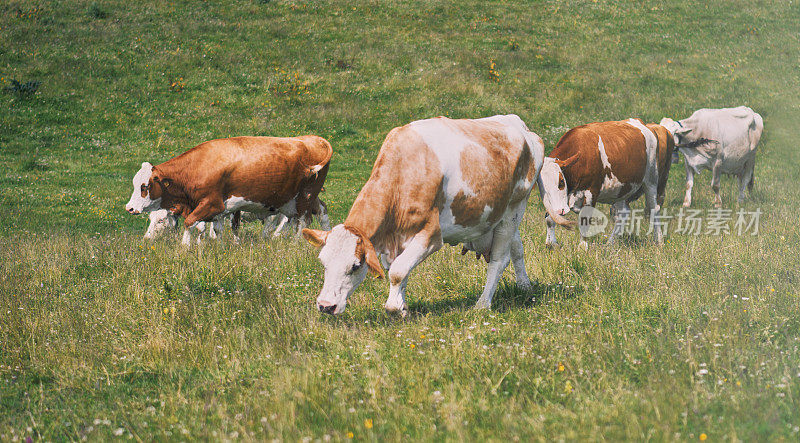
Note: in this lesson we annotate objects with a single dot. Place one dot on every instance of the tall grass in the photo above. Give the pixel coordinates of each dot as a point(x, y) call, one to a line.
point(104, 335)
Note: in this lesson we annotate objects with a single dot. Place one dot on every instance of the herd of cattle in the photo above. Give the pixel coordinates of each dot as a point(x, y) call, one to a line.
point(441, 181)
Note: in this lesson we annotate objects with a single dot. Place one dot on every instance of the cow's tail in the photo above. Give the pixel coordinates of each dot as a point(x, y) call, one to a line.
point(326, 154)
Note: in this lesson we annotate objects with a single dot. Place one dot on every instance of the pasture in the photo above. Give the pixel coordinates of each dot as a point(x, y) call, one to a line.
point(103, 335)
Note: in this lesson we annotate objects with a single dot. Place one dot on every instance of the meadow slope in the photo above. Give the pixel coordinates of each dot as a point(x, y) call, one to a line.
point(103, 335)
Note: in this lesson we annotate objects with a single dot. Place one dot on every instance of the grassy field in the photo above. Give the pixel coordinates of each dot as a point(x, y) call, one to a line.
point(105, 336)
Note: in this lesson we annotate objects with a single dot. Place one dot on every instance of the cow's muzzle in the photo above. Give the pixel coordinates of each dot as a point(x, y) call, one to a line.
point(327, 309)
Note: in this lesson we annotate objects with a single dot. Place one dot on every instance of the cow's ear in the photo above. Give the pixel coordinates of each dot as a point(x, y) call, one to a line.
point(316, 237)
point(564, 164)
point(371, 258)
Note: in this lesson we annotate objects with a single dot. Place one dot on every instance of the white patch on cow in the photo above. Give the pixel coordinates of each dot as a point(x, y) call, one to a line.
point(138, 204)
point(289, 209)
point(343, 271)
point(651, 142)
point(611, 184)
point(447, 145)
point(161, 220)
point(549, 176)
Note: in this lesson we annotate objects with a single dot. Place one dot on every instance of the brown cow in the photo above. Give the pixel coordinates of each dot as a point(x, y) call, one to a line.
point(264, 175)
point(611, 162)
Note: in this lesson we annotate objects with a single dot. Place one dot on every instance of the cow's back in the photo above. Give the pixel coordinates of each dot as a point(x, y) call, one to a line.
point(261, 169)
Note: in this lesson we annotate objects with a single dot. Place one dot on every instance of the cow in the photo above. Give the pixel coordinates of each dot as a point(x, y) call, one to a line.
point(609, 162)
point(263, 175)
point(722, 140)
point(434, 181)
point(163, 220)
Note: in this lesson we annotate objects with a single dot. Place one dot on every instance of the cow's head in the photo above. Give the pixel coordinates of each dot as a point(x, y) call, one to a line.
point(553, 189)
point(161, 220)
point(146, 196)
point(677, 129)
point(347, 256)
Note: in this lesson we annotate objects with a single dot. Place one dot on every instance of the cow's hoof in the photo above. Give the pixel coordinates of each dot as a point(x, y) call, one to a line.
point(686, 205)
point(553, 245)
point(482, 305)
point(402, 312)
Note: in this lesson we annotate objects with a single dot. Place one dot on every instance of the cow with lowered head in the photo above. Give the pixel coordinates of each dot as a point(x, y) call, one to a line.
point(722, 140)
point(263, 175)
point(435, 181)
point(610, 162)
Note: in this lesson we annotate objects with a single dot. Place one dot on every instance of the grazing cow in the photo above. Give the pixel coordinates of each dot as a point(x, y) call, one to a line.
point(163, 220)
point(722, 140)
point(263, 175)
point(611, 162)
point(434, 181)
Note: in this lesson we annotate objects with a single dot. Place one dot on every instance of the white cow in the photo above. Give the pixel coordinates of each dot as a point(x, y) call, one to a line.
point(723, 140)
point(435, 181)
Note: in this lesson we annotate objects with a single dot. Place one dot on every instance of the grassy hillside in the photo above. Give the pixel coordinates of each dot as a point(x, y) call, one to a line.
point(103, 335)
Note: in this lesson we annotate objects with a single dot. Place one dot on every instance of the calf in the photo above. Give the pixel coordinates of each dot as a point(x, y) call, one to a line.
point(163, 220)
point(722, 140)
point(263, 175)
point(434, 181)
point(611, 162)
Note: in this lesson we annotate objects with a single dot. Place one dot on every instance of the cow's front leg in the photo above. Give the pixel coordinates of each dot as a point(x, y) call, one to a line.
point(687, 199)
point(499, 259)
point(322, 215)
point(588, 200)
point(622, 212)
point(206, 210)
point(421, 246)
point(550, 241)
point(716, 172)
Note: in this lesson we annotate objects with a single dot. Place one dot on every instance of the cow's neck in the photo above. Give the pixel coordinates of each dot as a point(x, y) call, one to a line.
point(370, 213)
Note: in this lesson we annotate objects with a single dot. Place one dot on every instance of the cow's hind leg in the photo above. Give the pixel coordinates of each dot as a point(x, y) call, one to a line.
point(653, 211)
point(716, 175)
point(746, 179)
point(421, 246)
point(518, 260)
point(503, 239)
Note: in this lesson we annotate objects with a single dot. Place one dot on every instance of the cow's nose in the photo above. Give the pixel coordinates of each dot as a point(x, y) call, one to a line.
point(327, 309)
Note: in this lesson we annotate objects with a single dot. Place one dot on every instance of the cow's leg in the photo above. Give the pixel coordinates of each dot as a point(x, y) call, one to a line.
point(588, 200)
point(279, 222)
point(550, 241)
point(621, 211)
point(236, 222)
point(687, 199)
point(518, 260)
point(745, 179)
point(206, 210)
point(653, 210)
point(500, 256)
point(421, 246)
point(270, 223)
point(322, 215)
point(716, 175)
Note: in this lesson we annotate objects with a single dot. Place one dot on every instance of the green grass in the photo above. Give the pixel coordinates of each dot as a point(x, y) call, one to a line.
point(101, 332)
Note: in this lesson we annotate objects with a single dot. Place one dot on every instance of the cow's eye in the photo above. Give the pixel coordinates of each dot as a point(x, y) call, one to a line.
point(355, 267)
point(561, 183)
point(144, 187)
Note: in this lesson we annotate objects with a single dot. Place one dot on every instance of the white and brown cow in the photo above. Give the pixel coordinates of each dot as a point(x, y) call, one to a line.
point(723, 140)
point(435, 181)
point(610, 162)
point(263, 175)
